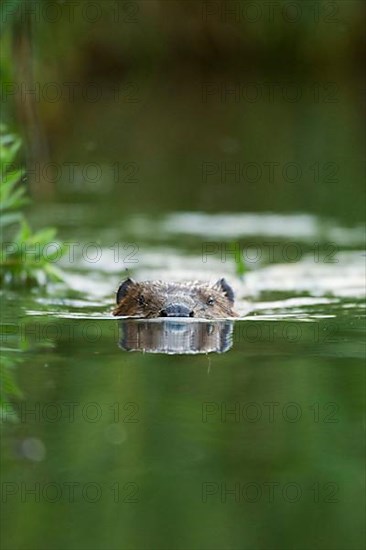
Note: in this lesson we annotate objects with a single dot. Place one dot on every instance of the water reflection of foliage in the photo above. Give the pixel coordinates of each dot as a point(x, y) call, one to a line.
point(9, 388)
point(15, 347)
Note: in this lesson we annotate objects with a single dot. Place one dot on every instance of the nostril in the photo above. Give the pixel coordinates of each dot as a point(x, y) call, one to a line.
point(176, 310)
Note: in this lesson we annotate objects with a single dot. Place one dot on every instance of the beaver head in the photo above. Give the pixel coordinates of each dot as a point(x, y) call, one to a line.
point(151, 299)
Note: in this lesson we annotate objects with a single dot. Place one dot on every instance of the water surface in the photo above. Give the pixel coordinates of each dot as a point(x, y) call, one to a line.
point(205, 450)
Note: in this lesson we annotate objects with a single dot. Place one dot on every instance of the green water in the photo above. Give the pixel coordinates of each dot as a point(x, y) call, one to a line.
point(161, 442)
point(260, 447)
point(262, 444)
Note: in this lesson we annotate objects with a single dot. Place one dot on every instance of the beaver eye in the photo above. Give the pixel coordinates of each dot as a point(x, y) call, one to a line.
point(210, 301)
point(141, 300)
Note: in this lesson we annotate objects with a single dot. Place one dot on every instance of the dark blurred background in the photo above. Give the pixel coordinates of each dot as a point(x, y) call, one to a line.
point(189, 105)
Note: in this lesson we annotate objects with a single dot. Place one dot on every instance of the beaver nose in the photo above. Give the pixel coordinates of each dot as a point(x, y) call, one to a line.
point(176, 310)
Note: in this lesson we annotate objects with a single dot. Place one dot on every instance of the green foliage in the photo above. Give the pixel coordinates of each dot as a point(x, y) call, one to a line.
point(25, 256)
point(240, 268)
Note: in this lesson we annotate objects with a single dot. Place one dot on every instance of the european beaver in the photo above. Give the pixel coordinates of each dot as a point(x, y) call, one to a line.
point(151, 299)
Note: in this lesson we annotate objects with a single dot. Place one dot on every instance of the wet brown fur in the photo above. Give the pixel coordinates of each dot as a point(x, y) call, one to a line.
point(147, 299)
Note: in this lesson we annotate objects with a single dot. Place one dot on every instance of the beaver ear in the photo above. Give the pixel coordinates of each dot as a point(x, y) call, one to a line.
point(123, 288)
point(222, 286)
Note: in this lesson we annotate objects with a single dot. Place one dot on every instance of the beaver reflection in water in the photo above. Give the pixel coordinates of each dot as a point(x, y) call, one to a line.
point(152, 299)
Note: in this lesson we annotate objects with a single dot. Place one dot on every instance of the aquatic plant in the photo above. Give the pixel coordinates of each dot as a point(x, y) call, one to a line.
point(22, 258)
point(240, 267)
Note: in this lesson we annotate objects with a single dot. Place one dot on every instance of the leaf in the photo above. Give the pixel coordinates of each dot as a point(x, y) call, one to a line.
point(24, 232)
point(54, 273)
point(10, 218)
point(8, 150)
point(13, 199)
point(44, 236)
